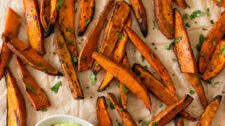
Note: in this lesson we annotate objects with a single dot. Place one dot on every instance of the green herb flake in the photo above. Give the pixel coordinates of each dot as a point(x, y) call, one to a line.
point(155, 26)
point(211, 21)
point(111, 106)
point(187, 25)
point(154, 124)
point(74, 59)
point(55, 88)
point(142, 58)
point(195, 14)
point(192, 92)
point(93, 78)
point(160, 105)
point(185, 17)
point(200, 41)
point(43, 110)
point(120, 36)
point(59, 4)
point(219, 1)
point(29, 87)
point(88, 21)
point(68, 29)
point(146, 68)
point(169, 47)
point(202, 54)
point(144, 122)
point(125, 89)
point(207, 12)
point(223, 50)
point(214, 43)
point(176, 40)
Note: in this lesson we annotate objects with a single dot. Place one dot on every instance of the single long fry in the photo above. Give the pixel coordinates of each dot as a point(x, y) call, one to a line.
point(125, 115)
point(210, 111)
point(34, 92)
point(171, 111)
point(165, 17)
point(117, 57)
point(12, 25)
point(66, 20)
point(113, 30)
point(125, 76)
point(209, 45)
point(68, 68)
point(220, 2)
point(217, 62)
point(48, 15)
point(152, 59)
point(87, 10)
point(16, 115)
point(29, 55)
point(157, 88)
point(102, 113)
point(197, 85)
point(181, 3)
point(85, 61)
point(34, 30)
point(183, 48)
point(140, 14)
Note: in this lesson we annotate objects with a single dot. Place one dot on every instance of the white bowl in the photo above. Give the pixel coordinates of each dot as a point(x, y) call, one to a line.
point(49, 121)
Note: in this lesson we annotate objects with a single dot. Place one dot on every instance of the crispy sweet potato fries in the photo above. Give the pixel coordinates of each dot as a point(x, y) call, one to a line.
point(102, 112)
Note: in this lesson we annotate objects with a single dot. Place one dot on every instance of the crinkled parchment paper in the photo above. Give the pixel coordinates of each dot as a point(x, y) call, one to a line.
point(63, 103)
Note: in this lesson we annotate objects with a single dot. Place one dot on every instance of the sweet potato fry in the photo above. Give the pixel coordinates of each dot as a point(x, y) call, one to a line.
point(220, 2)
point(48, 15)
point(34, 92)
point(183, 48)
point(68, 68)
point(152, 59)
point(125, 115)
point(210, 111)
point(29, 55)
point(113, 30)
point(181, 3)
point(12, 25)
point(102, 113)
point(117, 57)
point(209, 45)
point(171, 111)
point(217, 62)
point(125, 76)
point(157, 88)
point(165, 17)
point(67, 25)
point(180, 122)
point(87, 10)
point(197, 85)
point(140, 14)
point(34, 29)
point(84, 60)
point(16, 115)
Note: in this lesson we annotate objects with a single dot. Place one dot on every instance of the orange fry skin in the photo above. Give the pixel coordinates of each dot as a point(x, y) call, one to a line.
point(181, 3)
point(220, 2)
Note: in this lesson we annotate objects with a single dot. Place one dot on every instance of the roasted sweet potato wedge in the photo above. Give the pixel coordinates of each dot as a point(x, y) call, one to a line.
point(48, 15)
point(140, 14)
point(197, 85)
point(125, 76)
point(181, 3)
point(87, 10)
point(12, 25)
point(165, 17)
point(34, 29)
point(113, 30)
point(210, 111)
point(34, 92)
point(157, 88)
point(217, 62)
point(117, 57)
point(29, 55)
point(68, 68)
point(16, 114)
point(152, 59)
point(183, 48)
point(171, 111)
point(125, 115)
point(85, 61)
point(220, 2)
point(67, 25)
point(209, 45)
point(102, 113)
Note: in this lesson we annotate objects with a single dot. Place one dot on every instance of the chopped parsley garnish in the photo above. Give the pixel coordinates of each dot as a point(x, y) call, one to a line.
point(74, 59)
point(144, 122)
point(219, 1)
point(200, 41)
point(125, 89)
point(146, 68)
point(191, 91)
point(202, 54)
point(120, 36)
point(92, 78)
point(195, 14)
point(59, 4)
point(169, 47)
point(187, 25)
point(55, 88)
point(154, 124)
point(29, 87)
point(111, 106)
point(223, 50)
point(185, 17)
point(44, 110)
point(160, 105)
point(68, 29)
point(142, 58)
point(214, 43)
point(176, 40)
point(88, 21)
point(155, 26)
point(207, 12)
point(211, 21)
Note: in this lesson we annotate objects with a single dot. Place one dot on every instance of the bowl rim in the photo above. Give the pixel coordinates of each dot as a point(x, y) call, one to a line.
point(63, 117)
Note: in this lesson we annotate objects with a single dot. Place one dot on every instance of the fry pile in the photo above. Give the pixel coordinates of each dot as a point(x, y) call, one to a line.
point(111, 56)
